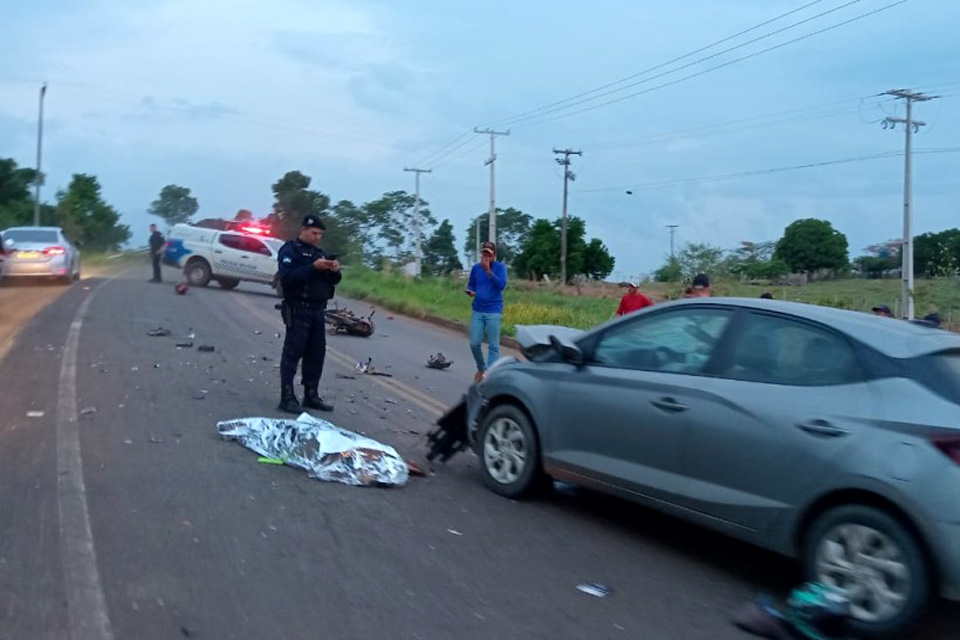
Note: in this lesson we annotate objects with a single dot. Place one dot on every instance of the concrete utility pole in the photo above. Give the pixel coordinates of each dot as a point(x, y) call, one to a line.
point(493, 194)
point(418, 257)
point(911, 126)
point(567, 177)
point(673, 228)
point(36, 198)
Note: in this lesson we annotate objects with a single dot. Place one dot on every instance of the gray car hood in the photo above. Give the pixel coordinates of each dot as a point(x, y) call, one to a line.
point(535, 338)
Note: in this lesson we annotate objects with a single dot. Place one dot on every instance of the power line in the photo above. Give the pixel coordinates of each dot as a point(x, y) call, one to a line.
point(706, 71)
point(659, 66)
point(746, 174)
point(440, 151)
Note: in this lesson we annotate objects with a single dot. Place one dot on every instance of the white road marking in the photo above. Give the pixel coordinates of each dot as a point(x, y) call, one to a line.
point(86, 605)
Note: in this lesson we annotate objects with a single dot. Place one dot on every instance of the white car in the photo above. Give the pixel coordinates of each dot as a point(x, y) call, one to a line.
point(244, 253)
point(39, 252)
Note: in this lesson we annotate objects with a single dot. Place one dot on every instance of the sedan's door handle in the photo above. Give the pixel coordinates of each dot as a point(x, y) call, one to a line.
point(669, 404)
point(217, 251)
point(822, 428)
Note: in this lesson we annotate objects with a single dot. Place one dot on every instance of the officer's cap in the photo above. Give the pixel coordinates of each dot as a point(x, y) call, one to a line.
point(313, 221)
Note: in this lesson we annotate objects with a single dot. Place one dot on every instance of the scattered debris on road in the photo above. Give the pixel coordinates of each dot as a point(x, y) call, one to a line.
point(390, 401)
point(450, 436)
point(155, 440)
point(128, 441)
point(86, 411)
point(181, 288)
point(277, 461)
point(346, 321)
point(812, 610)
point(344, 376)
point(415, 469)
point(200, 395)
point(184, 345)
point(367, 369)
point(438, 361)
point(159, 332)
point(206, 348)
point(35, 414)
point(257, 332)
point(324, 450)
point(454, 532)
point(594, 589)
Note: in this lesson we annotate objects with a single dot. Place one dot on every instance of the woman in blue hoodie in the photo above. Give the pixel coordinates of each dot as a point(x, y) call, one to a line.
point(487, 281)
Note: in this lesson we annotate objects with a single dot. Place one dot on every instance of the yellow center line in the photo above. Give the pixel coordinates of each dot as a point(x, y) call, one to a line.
point(422, 400)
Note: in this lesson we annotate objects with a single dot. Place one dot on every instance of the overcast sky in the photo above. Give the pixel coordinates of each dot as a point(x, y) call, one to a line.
point(224, 96)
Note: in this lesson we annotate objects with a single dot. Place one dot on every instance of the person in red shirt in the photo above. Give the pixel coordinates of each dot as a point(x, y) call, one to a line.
point(632, 301)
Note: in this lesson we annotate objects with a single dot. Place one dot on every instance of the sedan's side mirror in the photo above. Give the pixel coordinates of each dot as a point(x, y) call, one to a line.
point(568, 351)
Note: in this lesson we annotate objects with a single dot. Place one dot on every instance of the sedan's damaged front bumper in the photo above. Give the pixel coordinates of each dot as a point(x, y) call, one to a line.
point(456, 429)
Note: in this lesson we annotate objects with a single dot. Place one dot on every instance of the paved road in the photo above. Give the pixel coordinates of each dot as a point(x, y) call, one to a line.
point(171, 532)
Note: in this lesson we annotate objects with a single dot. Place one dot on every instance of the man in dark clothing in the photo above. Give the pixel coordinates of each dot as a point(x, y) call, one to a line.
point(156, 251)
point(308, 279)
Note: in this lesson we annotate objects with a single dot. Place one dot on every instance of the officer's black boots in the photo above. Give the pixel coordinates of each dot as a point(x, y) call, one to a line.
point(288, 400)
point(312, 400)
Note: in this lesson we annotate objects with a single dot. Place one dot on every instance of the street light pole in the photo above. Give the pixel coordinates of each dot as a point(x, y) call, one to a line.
point(418, 258)
point(39, 178)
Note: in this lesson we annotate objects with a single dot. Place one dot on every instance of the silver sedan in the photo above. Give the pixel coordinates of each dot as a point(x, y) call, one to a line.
point(40, 252)
point(827, 435)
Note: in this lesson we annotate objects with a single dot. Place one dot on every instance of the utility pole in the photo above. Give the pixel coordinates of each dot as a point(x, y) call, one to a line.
point(476, 254)
point(910, 126)
point(418, 257)
point(39, 178)
point(673, 228)
point(493, 194)
point(568, 175)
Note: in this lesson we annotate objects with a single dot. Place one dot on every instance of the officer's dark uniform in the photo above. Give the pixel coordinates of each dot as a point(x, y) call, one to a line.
point(156, 248)
point(305, 293)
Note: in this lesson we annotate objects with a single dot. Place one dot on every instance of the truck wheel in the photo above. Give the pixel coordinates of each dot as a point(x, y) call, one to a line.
point(198, 273)
point(228, 283)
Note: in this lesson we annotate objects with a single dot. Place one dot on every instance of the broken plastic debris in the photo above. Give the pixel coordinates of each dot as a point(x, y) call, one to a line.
point(35, 414)
point(415, 469)
point(184, 345)
point(438, 361)
point(155, 440)
point(206, 348)
point(324, 450)
point(263, 460)
point(159, 332)
point(86, 411)
point(594, 589)
point(454, 532)
point(343, 376)
point(257, 332)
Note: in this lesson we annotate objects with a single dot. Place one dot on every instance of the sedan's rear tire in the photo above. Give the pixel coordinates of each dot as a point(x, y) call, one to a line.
point(198, 273)
point(877, 562)
point(509, 452)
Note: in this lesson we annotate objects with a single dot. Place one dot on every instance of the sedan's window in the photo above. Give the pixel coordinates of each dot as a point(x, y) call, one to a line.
point(31, 235)
point(679, 341)
point(232, 241)
point(777, 350)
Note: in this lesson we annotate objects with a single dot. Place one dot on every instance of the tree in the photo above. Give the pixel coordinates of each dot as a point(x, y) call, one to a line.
point(16, 203)
point(811, 245)
point(754, 260)
point(540, 254)
point(597, 261)
point(440, 252)
point(392, 217)
point(293, 200)
point(244, 215)
point(670, 272)
point(86, 218)
point(937, 254)
point(345, 232)
point(175, 204)
point(513, 226)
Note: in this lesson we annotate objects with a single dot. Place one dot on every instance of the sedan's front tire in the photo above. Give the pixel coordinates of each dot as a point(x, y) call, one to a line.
point(509, 452)
point(876, 562)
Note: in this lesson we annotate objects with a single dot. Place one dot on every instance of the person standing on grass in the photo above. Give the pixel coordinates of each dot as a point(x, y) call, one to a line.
point(488, 279)
point(632, 300)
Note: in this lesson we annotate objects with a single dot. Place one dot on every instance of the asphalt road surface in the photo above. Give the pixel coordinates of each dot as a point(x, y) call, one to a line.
point(124, 515)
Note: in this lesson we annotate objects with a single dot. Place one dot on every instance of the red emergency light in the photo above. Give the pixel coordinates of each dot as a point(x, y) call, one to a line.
point(258, 230)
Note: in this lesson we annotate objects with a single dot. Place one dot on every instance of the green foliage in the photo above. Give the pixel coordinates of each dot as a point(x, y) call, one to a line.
point(16, 202)
point(175, 205)
point(345, 232)
point(293, 199)
point(86, 218)
point(513, 228)
point(937, 254)
point(392, 217)
point(597, 261)
point(440, 252)
point(810, 245)
point(540, 254)
point(670, 272)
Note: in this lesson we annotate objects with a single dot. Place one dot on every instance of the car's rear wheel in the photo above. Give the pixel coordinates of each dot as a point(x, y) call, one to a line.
point(198, 273)
point(509, 452)
point(876, 562)
point(228, 283)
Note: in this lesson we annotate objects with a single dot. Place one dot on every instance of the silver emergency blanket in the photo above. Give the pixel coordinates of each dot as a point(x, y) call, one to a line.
point(325, 450)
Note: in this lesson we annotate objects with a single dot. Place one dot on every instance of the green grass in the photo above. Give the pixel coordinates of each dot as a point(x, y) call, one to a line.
point(109, 258)
point(525, 303)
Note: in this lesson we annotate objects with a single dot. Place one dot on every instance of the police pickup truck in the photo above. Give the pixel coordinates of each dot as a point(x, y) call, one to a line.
point(228, 253)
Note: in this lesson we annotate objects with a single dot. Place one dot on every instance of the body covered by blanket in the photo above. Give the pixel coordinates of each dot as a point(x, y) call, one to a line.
point(325, 450)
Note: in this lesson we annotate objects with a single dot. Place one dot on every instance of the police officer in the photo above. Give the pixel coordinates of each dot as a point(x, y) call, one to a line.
point(156, 252)
point(308, 279)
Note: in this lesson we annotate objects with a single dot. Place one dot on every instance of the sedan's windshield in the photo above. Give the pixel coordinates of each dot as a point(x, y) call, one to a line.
point(30, 235)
